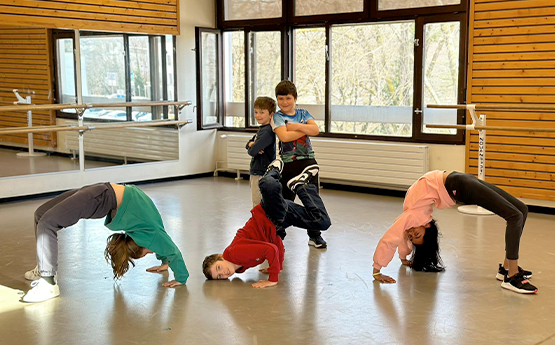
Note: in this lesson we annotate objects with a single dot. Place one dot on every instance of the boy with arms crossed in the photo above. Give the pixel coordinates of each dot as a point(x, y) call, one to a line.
point(293, 127)
point(262, 146)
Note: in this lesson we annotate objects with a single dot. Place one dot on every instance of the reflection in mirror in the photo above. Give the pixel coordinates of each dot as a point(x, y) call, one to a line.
point(107, 77)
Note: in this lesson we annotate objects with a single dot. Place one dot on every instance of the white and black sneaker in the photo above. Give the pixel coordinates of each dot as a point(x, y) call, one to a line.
point(518, 283)
point(502, 272)
point(304, 177)
point(276, 164)
point(317, 242)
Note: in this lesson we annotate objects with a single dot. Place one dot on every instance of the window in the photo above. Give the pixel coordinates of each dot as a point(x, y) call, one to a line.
point(399, 4)
point(133, 68)
point(315, 7)
point(234, 74)
point(252, 9)
point(103, 75)
point(441, 74)
point(310, 72)
point(208, 78)
point(264, 67)
point(363, 69)
point(372, 79)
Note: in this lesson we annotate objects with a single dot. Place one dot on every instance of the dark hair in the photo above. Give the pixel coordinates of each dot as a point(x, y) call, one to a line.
point(285, 87)
point(120, 251)
point(265, 103)
point(425, 257)
point(207, 264)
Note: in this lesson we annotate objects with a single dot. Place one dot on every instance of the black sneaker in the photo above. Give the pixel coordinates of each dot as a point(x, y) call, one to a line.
point(277, 165)
point(518, 283)
point(317, 242)
point(304, 177)
point(502, 272)
point(280, 231)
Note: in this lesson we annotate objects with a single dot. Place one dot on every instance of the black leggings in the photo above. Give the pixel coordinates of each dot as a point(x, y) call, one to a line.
point(467, 189)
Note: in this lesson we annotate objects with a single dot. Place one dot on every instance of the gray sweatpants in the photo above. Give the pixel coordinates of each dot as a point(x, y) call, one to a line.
point(89, 202)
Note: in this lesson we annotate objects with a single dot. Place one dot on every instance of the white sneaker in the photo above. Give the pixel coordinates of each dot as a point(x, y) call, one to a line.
point(33, 274)
point(41, 291)
point(303, 178)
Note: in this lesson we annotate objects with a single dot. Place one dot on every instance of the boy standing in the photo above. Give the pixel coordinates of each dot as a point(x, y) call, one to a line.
point(257, 240)
point(293, 126)
point(262, 146)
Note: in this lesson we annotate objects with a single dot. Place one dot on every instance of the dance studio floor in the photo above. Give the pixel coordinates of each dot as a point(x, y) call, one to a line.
point(323, 296)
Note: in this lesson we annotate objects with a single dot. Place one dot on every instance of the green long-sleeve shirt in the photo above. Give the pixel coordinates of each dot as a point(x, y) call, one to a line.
point(139, 218)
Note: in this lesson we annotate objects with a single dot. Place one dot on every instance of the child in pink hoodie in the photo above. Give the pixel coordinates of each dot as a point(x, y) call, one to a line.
point(415, 231)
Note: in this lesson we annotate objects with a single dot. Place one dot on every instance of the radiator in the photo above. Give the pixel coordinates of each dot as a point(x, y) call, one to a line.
point(138, 144)
point(351, 162)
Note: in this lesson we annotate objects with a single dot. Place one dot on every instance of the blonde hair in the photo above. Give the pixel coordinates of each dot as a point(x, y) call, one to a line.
point(120, 250)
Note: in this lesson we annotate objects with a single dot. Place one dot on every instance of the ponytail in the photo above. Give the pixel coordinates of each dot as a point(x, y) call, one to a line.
point(120, 251)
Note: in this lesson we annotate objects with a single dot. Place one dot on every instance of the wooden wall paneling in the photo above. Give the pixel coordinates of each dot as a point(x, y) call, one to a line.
point(145, 16)
point(512, 60)
point(25, 63)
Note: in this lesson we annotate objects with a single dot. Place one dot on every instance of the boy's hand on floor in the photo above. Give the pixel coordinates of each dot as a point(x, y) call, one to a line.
point(172, 284)
point(161, 268)
point(263, 284)
point(405, 262)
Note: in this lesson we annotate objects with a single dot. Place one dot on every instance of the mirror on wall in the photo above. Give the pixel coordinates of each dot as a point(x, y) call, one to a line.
point(41, 64)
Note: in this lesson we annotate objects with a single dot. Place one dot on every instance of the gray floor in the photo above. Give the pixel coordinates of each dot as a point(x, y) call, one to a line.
point(14, 165)
point(323, 297)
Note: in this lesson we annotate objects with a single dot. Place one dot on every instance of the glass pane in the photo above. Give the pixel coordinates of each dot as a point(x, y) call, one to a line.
point(441, 74)
point(384, 5)
point(372, 79)
point(310, 72)
point(142, 88)
point(252, 9)
point(66, 71)
point(103, 75)
point(313, 7)
point(234, 75)
point(170, 80)
point(209, 66)
point(265, 67)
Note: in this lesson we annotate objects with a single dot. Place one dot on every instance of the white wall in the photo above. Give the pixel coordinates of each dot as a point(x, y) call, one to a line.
point(196, 148)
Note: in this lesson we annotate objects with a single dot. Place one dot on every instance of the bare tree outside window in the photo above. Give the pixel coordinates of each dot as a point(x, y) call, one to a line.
point(384, 5)
point(372, 78)
point(252, 9)
point(310, 72)
point(441, 74)
point(234, 72)
point(209, 78)
point(315, 7)
point(265, 66)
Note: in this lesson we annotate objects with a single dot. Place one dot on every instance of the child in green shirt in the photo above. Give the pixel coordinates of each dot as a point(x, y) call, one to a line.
point(126, 209)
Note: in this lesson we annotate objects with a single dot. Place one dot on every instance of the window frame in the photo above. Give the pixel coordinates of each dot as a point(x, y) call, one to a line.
point(421, 16)
point(219, 69)
point(418, 93)
point(65, 34)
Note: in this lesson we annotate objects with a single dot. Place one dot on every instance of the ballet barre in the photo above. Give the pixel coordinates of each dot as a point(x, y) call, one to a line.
point(82, 128)
point(479, 123)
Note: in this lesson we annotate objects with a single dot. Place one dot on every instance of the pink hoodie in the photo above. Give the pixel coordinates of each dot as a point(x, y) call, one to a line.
point(419, 203)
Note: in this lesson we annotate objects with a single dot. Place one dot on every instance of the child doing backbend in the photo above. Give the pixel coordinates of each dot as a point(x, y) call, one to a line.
point(127, 209)
point(415, 229)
